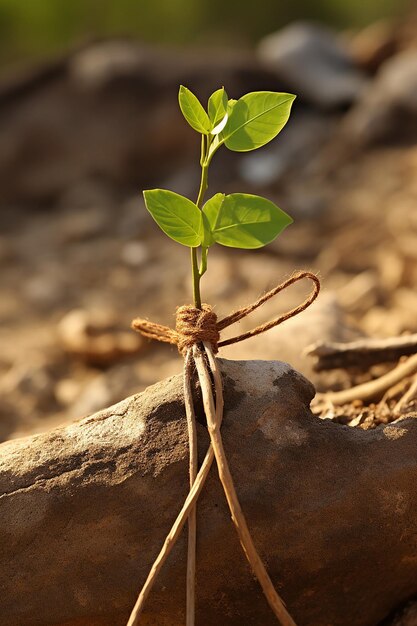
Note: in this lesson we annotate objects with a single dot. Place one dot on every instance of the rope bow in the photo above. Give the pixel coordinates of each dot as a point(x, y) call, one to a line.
point(194, 325)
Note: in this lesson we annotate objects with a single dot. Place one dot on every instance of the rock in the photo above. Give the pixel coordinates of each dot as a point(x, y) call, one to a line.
point(96, 339)
point(85, 509)
point(324, 319)
point(388, 110)
point(315, 64)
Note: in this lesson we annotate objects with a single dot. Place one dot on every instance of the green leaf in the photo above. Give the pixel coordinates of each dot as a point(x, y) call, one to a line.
point(231, 103)
point(193, 111)
point(217, 107)
point(256, 119)
point(217, 139)
point(219, 127)
point(177, 216)
point(210, 211)
point(242, 220)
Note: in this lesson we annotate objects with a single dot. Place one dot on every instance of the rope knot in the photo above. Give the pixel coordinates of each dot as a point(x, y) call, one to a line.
point(193, 325)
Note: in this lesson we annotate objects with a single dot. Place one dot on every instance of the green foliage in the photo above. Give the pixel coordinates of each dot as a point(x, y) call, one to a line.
point(256, 119)
point(177, 216)
point(242, 220)
point(217, 109)
point(237, 220)
point(193, 111)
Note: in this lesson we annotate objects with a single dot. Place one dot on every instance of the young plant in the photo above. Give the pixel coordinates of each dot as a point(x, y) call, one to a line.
point(237, 220)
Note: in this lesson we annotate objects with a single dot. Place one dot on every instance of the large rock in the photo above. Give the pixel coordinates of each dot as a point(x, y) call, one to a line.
point(332, 509)
point(315, 64)
point(388, 110)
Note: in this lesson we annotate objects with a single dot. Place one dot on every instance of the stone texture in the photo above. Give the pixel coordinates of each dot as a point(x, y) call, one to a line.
point(85, 509)
point(315, 64)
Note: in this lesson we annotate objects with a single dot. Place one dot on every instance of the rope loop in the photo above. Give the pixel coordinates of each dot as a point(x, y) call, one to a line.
point(200, 325)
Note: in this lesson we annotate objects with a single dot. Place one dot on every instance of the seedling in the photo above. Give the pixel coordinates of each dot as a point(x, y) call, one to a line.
point(237, 220)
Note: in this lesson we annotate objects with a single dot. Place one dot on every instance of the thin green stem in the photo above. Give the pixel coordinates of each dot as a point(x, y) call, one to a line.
point(196, 272)
point(196, 279)
point(203, 185)
point(203, 261)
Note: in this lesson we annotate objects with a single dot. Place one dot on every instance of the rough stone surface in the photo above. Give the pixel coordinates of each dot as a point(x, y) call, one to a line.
point(315, 64)
point(85, 509)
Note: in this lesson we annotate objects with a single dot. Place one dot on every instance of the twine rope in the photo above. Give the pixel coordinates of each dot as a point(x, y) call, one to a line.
point(193, 325)
point(197, 333)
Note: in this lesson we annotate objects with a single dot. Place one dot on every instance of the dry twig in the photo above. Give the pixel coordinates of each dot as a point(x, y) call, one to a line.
point(361, 353)
point(408, 398)
point(371, 390)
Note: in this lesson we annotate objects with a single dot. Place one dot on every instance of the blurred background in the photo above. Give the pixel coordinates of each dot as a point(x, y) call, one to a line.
point(89, 118)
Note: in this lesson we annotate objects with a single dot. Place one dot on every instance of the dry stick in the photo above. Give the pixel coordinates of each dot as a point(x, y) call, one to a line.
point(361, 353)
point(409, 397)
point(368, 391)
point(193, 469)
point(226, 479)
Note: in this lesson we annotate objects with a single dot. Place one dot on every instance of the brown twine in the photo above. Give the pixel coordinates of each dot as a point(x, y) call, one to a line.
point(194, 325)
point(200, 326)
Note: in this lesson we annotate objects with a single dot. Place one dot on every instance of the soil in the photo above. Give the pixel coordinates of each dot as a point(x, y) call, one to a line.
point(80, 262)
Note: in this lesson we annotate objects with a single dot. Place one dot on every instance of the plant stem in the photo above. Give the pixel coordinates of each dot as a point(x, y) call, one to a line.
point(203, 261)
point(200, 198)
point(196, 278)
point(203, 185)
